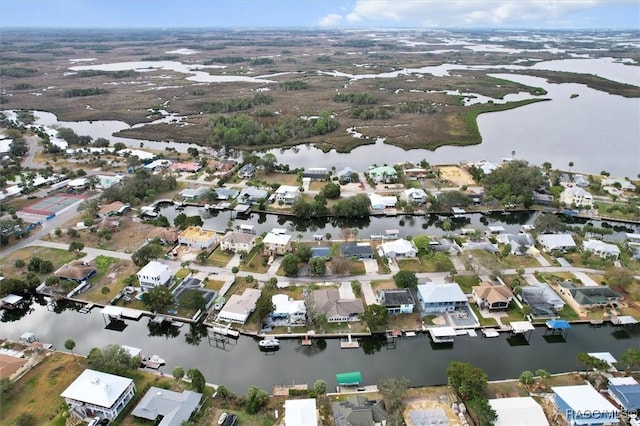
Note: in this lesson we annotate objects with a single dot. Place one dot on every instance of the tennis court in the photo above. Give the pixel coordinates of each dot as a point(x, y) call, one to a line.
point(52, 205)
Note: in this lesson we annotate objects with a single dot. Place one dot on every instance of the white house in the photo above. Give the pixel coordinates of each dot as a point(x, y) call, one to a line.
point(379, 202)
point(238, 308)
point(521, 411)
point(153, 274)
point(300, 412)
point(486, 166)
point(398, 249)
point(576, 196)
point(562, 242)
point(238, 241)
point(602, 249)
point(287, 194)
point(276, 242)
point(414, 195)
point(198, 238)
point(294, 311)
point(94, 393)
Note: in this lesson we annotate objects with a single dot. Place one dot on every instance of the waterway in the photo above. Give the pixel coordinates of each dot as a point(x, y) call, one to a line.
point(240, 364)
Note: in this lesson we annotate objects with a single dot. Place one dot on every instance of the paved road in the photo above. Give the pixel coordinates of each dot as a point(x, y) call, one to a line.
point(28, 161)
point(92, 252)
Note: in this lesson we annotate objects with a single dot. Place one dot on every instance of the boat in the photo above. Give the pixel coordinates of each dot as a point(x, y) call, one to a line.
point(156, 360)
point(269, 343)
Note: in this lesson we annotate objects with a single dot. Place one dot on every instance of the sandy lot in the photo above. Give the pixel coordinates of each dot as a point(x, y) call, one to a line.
point(456, 175)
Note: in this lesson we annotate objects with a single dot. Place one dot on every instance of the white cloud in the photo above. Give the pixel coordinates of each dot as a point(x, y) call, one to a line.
point(331, 20)
point(454, 13)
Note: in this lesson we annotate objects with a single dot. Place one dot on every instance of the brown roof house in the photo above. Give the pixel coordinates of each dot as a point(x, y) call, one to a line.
point(492, 297)
point(336, 309)
point(112, 209)
point(167, 236)
point(77, 271)
point(9, 365)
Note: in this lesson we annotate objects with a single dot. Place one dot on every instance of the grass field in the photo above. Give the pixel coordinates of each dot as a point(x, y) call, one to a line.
point(57, 257)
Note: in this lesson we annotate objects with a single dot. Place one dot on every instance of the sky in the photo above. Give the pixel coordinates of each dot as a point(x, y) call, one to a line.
point(341, 14)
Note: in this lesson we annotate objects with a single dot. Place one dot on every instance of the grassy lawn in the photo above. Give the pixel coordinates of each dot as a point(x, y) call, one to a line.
point(515, 262)
point(485, 322)
point(404, 322)
point(515, 388)
point(612, 210)
point(240, 284)
point(436, 262)
point(356, 268)
point(281, 178)
point(466, 282)
point(567, 313)
point(413, 265)
point(181, 274)
point(112, 276)
point(57, 256)
point(213, 284)
point(254, 262)
point(383, 284)
point(220, 258)
point(592, 261)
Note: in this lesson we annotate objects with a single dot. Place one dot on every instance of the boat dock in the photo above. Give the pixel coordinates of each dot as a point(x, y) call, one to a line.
point(86, 308)
point(349, 343)
point(306, 341)
point(442, 334)
point(150, 364)
point(490, 332)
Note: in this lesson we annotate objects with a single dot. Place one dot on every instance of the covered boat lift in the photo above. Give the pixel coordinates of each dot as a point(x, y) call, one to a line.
point(557, 327)
point(353, 378)
point(442, 334)
point(524, 328)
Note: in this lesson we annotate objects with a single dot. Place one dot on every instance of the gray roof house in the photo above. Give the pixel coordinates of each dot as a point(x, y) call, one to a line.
point(344, 175)
point(358, 250)
point(397, 300)
point(226, 193)
point(357, 410)
point(328, 302)
point(251, 195)
point(171, 407)
point(602, 249)
point(543, 300)
point(247, 171)
point(519, 243)
point(551, 242)
point(590, 297)
point(441, 297)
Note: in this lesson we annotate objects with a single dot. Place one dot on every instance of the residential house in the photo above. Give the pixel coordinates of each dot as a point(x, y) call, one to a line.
point(11, 366)
point(561, 242)
point(284, 307)
point(492, 297)
point(287, 194)
point(239, 307)
point(542, 199)
point(113, 209)
point(94, 393)
point(415, 173)
point(357, 250)
point(316, 173)
point(602, 249)
point(346, 175)
point(192, 283)
point(397, 301)
point(519, 243)
point(191, 167)
point(276, 242)
point(632, 241)
point(223, 167)
point(398, 249)
point(328, 302)
point(197, 238)
point(591, 297)
point(300, 412)
point(193, 193)
point(357, 410)
point(625, 392)
point(154, 274)
point(164, 407)
point(157, 165)
point(77, 271)
point(167, 236)
point(486, 166)
point(521, 411)
point(238, 242)
point(226, 194)
point(384, 174)
point(581, 181)
point(624, 184)
point(484, 245)
point(252, 195)
point(437, 298)
point(579, 404)
point(380, 202)
point(248, 171)
point(576, 196)
point(414, 196)
point(543, 300)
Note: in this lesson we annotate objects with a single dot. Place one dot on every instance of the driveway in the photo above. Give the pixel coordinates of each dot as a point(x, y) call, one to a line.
point(586, 280)
point(370, 266)
point(368, 293)
point(345, 290)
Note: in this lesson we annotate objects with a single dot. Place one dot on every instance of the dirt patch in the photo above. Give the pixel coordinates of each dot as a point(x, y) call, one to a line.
point(456, 175)
point(431, 398)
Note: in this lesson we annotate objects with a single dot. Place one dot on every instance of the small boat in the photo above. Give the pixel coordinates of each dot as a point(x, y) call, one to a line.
point(156, 360)
point(269, 343)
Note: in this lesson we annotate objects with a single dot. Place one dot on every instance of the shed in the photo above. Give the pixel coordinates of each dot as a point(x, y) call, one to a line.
point(353, 378)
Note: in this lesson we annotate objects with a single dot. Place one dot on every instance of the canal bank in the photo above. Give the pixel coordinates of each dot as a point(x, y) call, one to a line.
point(239, 364)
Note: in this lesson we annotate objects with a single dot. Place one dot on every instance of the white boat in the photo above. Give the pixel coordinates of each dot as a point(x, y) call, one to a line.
point(269, 343)
point(156, 360)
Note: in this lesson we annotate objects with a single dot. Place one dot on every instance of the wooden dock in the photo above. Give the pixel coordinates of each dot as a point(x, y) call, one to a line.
point(306, 341)
point(349, 343)
point(150, 364)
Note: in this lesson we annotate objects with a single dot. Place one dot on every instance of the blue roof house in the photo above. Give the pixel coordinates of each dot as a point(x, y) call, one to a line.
point(626, 395)
point(324, 252)
point(584, 405)
point(435, 298)
point(247, 171)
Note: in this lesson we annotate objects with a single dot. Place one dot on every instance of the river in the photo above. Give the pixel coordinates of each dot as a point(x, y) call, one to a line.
point(241, 364)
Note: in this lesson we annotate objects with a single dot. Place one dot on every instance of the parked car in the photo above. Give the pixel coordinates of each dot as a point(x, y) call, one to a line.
point(222, 417)
point(231, 420)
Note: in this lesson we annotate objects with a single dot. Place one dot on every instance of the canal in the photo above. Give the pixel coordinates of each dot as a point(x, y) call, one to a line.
point(240, 364)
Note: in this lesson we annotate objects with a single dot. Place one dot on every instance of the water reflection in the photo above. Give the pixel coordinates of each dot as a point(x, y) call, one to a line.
point(162, 329)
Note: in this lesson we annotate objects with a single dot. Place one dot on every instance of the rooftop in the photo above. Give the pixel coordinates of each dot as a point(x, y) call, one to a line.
point(394, 297)
point(441, 292)
point(195, 233)
point(523, 411)
point(153, 269)
point(95, 387)
point(173, 407)
point(584, 398)
point(300, 412)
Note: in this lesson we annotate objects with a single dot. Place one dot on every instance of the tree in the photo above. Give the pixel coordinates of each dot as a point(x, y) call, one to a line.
point(256, 399)
point(393, 390)
point(178, 373)
point(320, 387)
point(618, 277)
point(269, 162)
point(5, 386)
point(113, 359)
point(197, 379)
point(331, 191)
point(90, 207)
point(303, 253)
point(19, 263)
point(46, 266)
point(69, 344)
point(76, 246)
point(406, 279)
point(448, 199)
point(290, 265)
point(631, 359)
point(158, 298)
point(480, 408)
point(421, 242)
point(356, 206)
point(515, 182)
point(146, 253)
point(376, 316)
point(547, 223)
point(526, 377)
point(543, 374)
point(264, 304)
point(317, 266)
point(192, 299)
point(589, 362)
point(466, 379)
